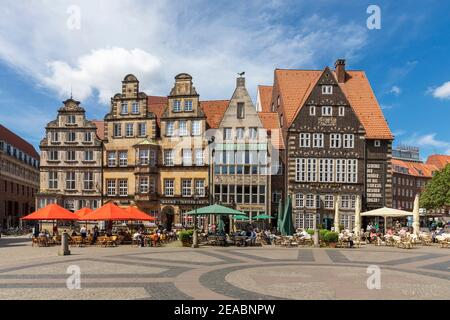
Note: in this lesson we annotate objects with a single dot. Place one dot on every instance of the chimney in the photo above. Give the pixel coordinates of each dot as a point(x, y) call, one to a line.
point(240, 82)
point(340, 70)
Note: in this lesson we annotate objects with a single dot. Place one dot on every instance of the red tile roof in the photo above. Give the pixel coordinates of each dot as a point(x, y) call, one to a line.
point(156, 100)
point(439, 160)
point(361, 97)
point(157, 105)
point(271, 122)
point(417, 169)
point(214, 111)
point(100, 124)
point(13, 139)
point(296, 85)
point(265, 98)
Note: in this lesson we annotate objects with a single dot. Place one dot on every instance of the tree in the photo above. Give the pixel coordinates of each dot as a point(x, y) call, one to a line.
point(437, 192)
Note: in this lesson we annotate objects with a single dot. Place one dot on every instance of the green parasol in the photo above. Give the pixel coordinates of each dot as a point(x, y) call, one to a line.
point(214, 209)
point(263, 217)
point(280, 216)
point(221, 225)
point(287, 228)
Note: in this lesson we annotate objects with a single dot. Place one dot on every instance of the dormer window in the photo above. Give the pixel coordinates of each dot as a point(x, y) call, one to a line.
point(327, 89)
point(176, 105)
point(124, 108)
point(312, 110)
point(135, 108)
point(71, 119)
point(240, 110)
point(327, 111)
point(187, 105)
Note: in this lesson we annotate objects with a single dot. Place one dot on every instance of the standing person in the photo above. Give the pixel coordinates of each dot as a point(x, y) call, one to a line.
point(83, 232)
point(94, 238)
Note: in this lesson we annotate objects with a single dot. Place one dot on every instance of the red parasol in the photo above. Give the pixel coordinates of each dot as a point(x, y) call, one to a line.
point(51, 212)
point(108, 212)
point(82, 212)
point(139, 215)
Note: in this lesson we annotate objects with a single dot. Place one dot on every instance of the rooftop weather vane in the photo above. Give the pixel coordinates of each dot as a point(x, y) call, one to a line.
point(241, 73)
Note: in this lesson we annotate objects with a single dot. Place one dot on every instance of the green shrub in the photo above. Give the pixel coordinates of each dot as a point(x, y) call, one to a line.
point(331, 236)
point(186, 235)
point(310, 232)
point(320, 226)
point(322, 233)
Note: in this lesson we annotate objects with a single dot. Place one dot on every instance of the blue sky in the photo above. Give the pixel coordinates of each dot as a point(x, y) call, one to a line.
point(41, 58)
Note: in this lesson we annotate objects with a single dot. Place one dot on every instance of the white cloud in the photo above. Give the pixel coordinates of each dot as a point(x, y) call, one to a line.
point(100, 70)
point(159, 39)
point(398, 133)
point(429, 143)
point(395, 90)
point(442, 92)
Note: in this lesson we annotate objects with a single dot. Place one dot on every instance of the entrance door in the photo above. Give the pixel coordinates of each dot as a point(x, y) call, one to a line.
point(167, 218)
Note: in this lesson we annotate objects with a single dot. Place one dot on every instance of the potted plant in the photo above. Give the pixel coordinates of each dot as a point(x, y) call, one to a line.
point(186, 237)
point(331, 238)
point(322, 233)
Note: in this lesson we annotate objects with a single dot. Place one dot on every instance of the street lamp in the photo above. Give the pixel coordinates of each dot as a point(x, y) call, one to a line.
point(195, 235)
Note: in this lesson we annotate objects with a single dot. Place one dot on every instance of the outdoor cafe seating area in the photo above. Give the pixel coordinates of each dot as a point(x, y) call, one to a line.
point(241, 231)
point(79, 235)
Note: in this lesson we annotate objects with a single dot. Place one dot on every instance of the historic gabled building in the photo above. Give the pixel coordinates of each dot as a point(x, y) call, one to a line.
point(241, 157)
point(338, 144)
point(19, 178)
point(271, 123)
point(131, 152)
point(71, 160)
point(184, 168)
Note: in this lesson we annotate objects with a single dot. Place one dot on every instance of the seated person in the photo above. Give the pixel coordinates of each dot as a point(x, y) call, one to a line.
point(228, 239)
point(253, 237)
point(305, 235)
point(373, 236)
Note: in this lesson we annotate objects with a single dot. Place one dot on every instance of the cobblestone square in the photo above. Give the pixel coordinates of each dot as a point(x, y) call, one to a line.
point(129, 272)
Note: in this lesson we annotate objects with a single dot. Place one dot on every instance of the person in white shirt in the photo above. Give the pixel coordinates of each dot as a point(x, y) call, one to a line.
point(83, 232)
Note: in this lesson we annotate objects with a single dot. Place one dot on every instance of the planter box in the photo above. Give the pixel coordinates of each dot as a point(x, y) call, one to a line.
point(186, 243)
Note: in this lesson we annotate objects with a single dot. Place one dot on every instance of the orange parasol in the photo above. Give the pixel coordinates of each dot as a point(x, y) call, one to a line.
point(139, 215)
point(108, 212)
point(82, 212)
point(51, 212)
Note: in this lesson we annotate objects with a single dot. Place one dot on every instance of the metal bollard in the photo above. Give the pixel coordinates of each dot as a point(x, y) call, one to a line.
point(64, 251)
